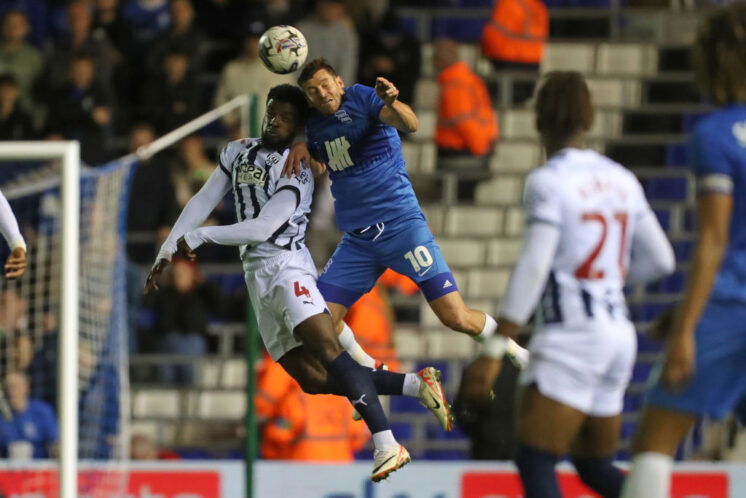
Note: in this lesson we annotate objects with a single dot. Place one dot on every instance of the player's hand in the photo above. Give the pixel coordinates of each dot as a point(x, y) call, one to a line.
point(299, 154)
point(151, 283)
point(479, 377)
point(386, 90)
point(15, 264)
point(678, 367)
point(183, 249)
point(318, 168)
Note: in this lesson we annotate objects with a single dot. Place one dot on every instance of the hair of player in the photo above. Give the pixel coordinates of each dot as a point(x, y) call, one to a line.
point(292, 95)
point(563, 106)
point(312, 67)
point(719, 55)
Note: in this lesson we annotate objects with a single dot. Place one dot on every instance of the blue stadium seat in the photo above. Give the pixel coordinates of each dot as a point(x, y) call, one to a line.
point(647, 345)
point(677, 155)
point(683, 249)
point(406, 404)
point(434, 431)
point(689, 121)
point(641, 372)
point(689, 220)
point(666, 189)
point(402, 430)
point(647, 311)
point(465, 30)
point(664, 218)
point(632, 402)
point(440, 365)
point(668, 284)
point(445, 455)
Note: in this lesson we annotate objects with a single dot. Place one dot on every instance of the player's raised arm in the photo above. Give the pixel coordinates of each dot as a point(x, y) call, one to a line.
point(395, 113)
point(16, 262)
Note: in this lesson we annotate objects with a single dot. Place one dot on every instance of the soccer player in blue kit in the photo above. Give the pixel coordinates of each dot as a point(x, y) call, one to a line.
point(353, 132)
point(704, 369)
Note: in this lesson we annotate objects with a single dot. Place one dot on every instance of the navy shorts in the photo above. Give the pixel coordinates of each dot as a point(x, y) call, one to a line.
point(405, 245)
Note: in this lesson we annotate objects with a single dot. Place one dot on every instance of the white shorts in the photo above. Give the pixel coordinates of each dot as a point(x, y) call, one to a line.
point(587, 367)
point(283, 293)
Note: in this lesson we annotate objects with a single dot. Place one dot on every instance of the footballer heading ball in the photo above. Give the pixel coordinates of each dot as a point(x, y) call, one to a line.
point(283, 49)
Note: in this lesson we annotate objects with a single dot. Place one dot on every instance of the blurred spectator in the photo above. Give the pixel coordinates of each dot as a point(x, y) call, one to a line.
point(491, 425)
point(182, 310)
point(143, 447)
point(15, 123)
point(221, 21)
point(183, 35)
point(171, 97)
point(192, 168)
point(79, 39)
point(15, 343)
point(247, 74)
point(17, 57)
point(147, 19)
point(467, 124)
point(274, 12)
point(82, 109)
point(108, 22)
point(32, 430)
point(372, 318)
point(37, 13)
point(390, 52)
point(299, 426)
point(514, 38)
point(330, 33)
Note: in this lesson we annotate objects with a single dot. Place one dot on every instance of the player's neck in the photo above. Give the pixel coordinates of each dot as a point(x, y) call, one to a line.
point(551, 147)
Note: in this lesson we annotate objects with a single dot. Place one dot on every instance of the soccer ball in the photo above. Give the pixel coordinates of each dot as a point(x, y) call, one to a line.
point(283, 49)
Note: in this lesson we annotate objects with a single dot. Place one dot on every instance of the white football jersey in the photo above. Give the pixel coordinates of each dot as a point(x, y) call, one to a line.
point(596, 204)
point(255, 174)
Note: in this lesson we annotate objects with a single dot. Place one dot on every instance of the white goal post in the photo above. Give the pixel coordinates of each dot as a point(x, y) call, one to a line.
point(68, 153)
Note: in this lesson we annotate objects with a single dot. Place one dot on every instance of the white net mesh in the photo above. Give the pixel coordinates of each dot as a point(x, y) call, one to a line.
point(29, 317)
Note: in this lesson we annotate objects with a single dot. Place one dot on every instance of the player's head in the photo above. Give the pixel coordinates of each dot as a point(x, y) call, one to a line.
point(285, 115)
point(720, 57)
point(564, 110)
point(16, 386)
point(322, 85)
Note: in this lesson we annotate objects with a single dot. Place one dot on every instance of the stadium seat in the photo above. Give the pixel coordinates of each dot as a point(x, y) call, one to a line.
point(667, 189)
point(513, 222)
point(517, 123)
point(425, 94)
point(427, 119)
point(513, 156)
point(462, 252)
point(461, 29)
point(677, 155)
point(641, 372)
point(569, 57)
point(606, 125)
point(147, 428)
point(209, 373)
point(607, 91)
point(449, 344)
point(427, 69)
point(647, 345)
point(501, 191)
point(234, 373)
point(469, 53)
point(503, 251)
point(467, 220)
point(405, 404)
point(488, 282)
point(428, 157)
point(435, 216)
point(411, 153)
point(664, 218)
point(409, 343)
point(156, 403)
point(627, 58)
point(221, 404)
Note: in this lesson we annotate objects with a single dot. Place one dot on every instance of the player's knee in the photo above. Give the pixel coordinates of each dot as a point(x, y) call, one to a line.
point(327, 349)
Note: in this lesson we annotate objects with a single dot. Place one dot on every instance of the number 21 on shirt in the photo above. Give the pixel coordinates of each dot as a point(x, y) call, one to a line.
point(586, 270)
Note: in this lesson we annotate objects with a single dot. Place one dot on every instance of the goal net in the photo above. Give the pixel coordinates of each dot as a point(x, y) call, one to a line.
point(36, 383)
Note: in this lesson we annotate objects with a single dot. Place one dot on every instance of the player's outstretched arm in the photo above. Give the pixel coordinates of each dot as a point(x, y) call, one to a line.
point(15, 265)
point(395, 113)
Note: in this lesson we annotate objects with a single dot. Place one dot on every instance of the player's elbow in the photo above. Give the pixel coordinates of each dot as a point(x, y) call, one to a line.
point(413, 125)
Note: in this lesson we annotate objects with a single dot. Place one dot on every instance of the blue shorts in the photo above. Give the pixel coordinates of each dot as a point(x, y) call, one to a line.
point(719, 381)
point(405, 245)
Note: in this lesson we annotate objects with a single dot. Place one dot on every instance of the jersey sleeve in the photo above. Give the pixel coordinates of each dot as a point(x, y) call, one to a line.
point(370, 100)
point(301, 184)
point(713, 169)
point(541, 200)
point(229, 153)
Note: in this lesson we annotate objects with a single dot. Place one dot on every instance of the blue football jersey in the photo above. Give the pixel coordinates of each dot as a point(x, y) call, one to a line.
point(364, 159)
point(718, 151)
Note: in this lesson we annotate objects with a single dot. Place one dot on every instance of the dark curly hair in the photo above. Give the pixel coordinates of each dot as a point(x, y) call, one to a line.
point(293, 96)
point(720, 55)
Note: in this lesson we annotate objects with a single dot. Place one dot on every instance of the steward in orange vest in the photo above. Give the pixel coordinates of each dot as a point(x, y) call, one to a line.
point(516, 34)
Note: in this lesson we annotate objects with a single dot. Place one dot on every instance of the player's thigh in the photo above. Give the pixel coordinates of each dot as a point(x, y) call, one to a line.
point(545, 423)
point(350, 272)
point(318, 337)
point(661, 430)
point(306, 369)
point(598, 437)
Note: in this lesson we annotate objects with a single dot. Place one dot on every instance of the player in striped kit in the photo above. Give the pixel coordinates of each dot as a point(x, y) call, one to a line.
point(293, 319)
point(704, 369)
point(589, 230)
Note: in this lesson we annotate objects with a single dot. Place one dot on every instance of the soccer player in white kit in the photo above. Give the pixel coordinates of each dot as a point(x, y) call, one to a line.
point(589, 230)
point(15, 265)
point(293, 319)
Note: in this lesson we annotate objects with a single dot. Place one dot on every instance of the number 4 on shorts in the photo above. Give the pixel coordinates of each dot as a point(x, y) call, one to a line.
point(300, 290)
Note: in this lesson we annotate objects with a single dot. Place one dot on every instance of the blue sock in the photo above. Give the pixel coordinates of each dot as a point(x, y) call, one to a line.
point(600, 475)
point(357, 385)
point(389, 383)
point(537, 472)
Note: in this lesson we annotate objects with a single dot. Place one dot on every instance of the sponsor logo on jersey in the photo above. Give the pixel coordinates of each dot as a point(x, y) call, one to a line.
point(343, 117)
point(338, 151)
point(251, 174)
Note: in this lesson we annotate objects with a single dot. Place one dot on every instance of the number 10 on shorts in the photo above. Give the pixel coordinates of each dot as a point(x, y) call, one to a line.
point(419, 258)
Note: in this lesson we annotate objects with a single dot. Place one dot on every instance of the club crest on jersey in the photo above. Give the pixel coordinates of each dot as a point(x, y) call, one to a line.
point(343, 117)
point(251, 174)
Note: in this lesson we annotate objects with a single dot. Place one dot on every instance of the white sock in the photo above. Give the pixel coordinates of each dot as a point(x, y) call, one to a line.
point(347, 340)
point(412, 384)
point(649, 476)
point(384, 440)
point(490, 326)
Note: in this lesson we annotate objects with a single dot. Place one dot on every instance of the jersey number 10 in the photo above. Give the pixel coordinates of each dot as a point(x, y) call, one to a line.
point(586, 270)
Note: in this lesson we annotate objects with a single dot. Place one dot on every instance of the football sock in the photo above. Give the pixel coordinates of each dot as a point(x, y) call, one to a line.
point(536, 467)
point(600, 475)
point(490, 326)
point(387, 382)
point(649, 476)
point(384, 439)
point(348, 342)
point(412, 383)
point(357, 384)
